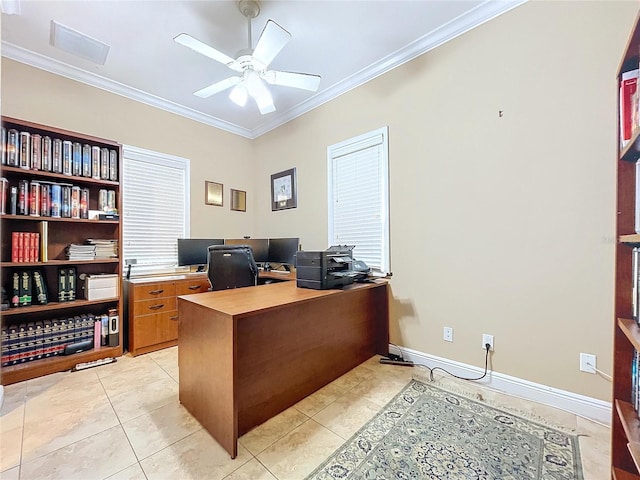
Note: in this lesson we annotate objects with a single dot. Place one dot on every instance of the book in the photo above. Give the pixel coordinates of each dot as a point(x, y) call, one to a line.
point(62, 285)
point(71, 283)
point(40, 287)
point(628, 105)
point(25, 288)
point(43, 230)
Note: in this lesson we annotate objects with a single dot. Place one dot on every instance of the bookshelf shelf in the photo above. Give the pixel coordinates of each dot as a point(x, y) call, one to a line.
point(56, 219)
point(56, 306)
point(630, 153)
point(618, 474)
point(631, 330)
point(39, 174)
point(58, 263)
point(630, 421)
point(46, 366)
point(56, 234)
point(630, 240)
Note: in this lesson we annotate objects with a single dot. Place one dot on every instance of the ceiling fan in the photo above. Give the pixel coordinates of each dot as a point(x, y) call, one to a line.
point(251, 65)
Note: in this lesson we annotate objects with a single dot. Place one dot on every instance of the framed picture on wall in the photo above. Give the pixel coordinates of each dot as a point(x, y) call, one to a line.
point(213, 193)
point(283, 190)
point(238, 200)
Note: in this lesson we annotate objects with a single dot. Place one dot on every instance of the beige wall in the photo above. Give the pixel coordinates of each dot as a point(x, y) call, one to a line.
point(215, 155)
point(500, 225)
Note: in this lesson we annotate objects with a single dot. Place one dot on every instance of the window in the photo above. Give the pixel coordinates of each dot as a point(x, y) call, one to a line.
point(155, 203)
point(358, 174)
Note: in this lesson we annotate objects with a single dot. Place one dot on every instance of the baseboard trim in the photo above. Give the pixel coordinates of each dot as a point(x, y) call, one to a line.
point(581, 405)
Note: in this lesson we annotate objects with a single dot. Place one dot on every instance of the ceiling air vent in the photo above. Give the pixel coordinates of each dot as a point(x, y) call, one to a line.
point(77, 43)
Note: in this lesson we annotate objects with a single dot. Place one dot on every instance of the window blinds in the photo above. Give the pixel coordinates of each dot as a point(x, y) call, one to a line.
point(155, 208)
point(359, 199)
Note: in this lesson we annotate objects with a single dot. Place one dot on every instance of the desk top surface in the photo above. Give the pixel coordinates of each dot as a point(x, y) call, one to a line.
point(168, 278)
point(244, 301)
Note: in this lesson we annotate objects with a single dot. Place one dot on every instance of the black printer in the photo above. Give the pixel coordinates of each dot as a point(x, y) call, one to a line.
point(322, 270)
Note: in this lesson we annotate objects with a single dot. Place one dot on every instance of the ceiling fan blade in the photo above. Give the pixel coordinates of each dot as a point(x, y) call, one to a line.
point(204, 49)
point(217, 87)
point(305, 81)
point(272, 39)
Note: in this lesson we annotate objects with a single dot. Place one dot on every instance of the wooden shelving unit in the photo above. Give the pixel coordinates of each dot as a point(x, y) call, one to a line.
point(61, 233)
point(625, 433)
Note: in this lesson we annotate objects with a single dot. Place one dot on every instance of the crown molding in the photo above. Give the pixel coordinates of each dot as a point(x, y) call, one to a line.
point(479, 15)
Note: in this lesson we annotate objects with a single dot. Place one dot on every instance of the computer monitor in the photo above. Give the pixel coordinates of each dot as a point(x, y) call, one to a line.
point(283, 251)
point(194, 251)
point(260, 247)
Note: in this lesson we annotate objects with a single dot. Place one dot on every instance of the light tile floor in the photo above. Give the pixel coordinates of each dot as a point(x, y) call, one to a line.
point(123, 422)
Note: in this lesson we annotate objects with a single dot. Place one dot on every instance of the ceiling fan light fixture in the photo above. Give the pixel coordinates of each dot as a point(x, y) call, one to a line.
point(239, 95)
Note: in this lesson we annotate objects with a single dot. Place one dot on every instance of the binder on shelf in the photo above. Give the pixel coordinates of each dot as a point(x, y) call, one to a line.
point(15, 290)
point(628, 105)
point(71, 283)
point(25, 288)
point(40, 288)
point(62, 285)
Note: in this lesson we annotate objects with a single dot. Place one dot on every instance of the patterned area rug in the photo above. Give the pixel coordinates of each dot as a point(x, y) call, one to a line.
point(429, 433)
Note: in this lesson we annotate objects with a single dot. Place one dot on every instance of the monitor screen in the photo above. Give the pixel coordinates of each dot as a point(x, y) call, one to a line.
point(283, 250)
point(193, 251)
point(260, 247)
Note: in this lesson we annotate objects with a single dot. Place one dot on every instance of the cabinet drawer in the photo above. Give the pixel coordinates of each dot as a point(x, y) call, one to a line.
point(192, 286)
point(157, 328)
point(154, 290)
point(154, 306)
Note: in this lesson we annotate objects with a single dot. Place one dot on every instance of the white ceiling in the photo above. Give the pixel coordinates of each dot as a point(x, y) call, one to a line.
point(346, 42)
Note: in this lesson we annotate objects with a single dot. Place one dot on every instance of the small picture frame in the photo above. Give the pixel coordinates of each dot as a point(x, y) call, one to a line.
point(284, 190)
point(213, 193)
point(238, 200)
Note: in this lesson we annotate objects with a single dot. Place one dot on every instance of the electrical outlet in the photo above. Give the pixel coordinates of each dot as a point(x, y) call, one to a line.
point(486, 338)
point(448, 334)
point(587, 363)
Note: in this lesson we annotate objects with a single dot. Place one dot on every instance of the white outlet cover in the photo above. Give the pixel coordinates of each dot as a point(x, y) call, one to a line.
point(587, 363)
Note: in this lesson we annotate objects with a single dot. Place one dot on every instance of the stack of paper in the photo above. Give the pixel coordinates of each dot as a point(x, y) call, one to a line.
point(77, 252)
point(105, 248)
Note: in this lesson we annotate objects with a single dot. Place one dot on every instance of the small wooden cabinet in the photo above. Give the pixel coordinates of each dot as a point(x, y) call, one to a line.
point(152, 309)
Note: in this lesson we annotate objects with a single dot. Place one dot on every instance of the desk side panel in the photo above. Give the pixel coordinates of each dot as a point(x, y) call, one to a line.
point(206, 363)
point(286, 354)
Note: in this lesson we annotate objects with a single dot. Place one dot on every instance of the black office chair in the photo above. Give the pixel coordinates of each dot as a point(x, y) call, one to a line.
point(231, 266)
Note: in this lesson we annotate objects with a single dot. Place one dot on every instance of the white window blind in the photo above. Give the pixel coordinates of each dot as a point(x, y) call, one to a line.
point(155, 199)
point(358, 179)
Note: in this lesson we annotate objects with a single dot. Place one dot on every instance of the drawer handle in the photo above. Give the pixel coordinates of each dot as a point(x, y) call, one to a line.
point(156, 307)
point(194, 287)
point(156, 292)
point(175, 318)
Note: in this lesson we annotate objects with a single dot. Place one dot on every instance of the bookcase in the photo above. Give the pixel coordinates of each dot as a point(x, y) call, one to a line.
point(56, 234)
point(625, 433)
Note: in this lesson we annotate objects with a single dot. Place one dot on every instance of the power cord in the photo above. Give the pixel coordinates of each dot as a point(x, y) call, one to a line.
point(431, 370)
point(486, 365)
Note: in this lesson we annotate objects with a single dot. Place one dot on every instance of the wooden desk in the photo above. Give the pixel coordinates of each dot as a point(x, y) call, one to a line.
point(152, 311)
point(247, 354)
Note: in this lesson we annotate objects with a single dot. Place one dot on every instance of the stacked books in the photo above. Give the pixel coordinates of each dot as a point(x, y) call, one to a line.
point(105, 248)
point(25, 247)
point(77, 252)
